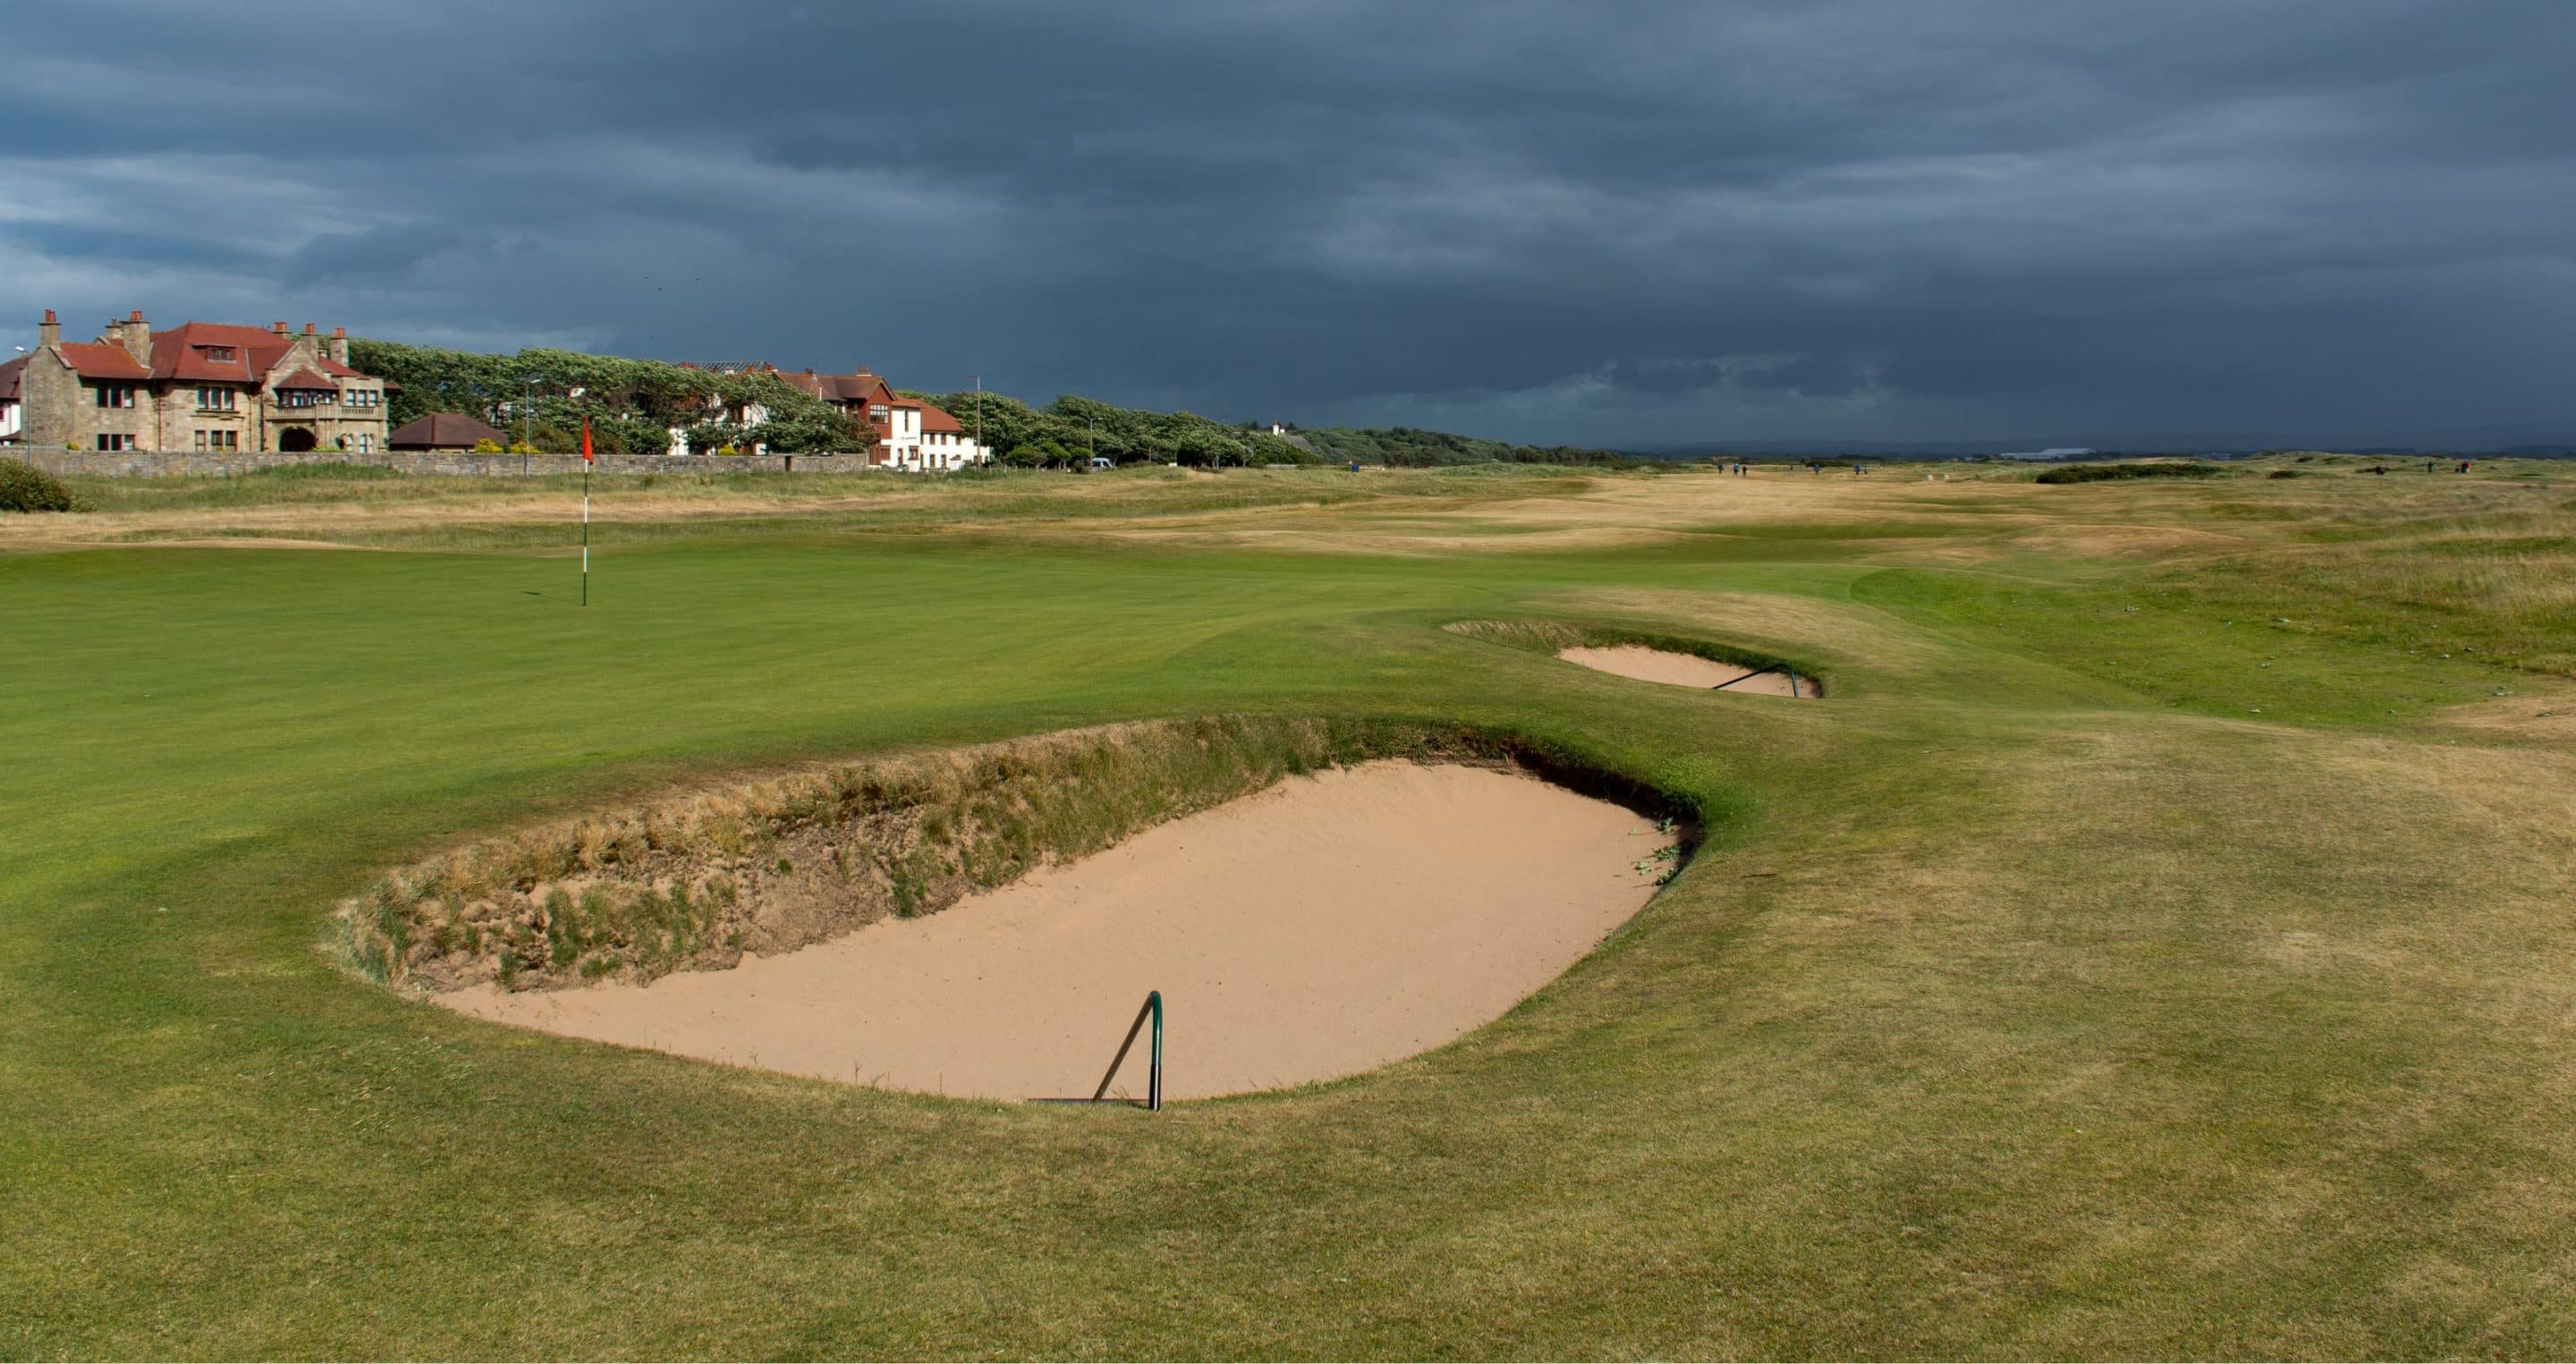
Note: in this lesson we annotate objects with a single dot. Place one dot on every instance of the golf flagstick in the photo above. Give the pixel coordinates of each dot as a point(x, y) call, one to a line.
point(585, 511)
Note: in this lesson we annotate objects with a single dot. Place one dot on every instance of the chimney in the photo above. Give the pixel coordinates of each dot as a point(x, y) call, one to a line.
point(50, 331)
point(340, 344)
point(138, 338)
point(277, 328)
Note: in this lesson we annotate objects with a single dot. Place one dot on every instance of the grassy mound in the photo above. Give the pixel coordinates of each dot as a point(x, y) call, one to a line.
point(2106, 473)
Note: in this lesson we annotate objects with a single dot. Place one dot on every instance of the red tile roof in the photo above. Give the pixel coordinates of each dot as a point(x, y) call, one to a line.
point(182, 352)
point(936, 419)
point(100, 360)
point(855, 387)
point(197, 364)
point(807, 382)
point(305, 376)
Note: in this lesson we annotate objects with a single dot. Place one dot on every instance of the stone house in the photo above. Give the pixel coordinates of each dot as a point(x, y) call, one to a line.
point(201, 387)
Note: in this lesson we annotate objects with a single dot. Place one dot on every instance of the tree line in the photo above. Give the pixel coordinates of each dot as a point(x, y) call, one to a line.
point(1073, 429)
point(1412, 448)
point(541, 396)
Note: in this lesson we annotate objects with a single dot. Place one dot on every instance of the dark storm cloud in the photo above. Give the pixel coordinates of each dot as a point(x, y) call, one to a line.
point(1625, 224)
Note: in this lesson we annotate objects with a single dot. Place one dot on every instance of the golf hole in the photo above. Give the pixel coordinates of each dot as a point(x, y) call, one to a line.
point(1690, 670)
point(1309, 925)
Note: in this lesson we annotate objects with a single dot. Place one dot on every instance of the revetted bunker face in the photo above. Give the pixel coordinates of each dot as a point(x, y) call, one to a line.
point(993, 916)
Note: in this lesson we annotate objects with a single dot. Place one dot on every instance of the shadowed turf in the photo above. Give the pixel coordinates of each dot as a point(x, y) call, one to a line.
point(2155, 946)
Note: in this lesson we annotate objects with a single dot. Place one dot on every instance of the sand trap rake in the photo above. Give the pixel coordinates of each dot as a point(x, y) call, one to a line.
point(1153, 1100)
point(1774, 668)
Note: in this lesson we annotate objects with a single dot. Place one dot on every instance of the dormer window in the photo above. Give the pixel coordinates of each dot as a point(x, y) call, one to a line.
point(220, 353)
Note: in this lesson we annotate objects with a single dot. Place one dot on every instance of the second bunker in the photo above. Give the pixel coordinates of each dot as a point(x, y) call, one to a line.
point(1690, 670)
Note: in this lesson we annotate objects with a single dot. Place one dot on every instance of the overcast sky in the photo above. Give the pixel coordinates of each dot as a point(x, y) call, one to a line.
point(1613, 224)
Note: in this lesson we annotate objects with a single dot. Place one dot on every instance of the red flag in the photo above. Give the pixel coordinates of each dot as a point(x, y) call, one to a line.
point(585, 440)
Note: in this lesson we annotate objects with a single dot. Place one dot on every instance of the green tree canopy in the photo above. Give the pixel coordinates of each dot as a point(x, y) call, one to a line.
point(632, 405)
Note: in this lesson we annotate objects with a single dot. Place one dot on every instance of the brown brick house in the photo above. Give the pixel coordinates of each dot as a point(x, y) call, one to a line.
point(201, 387)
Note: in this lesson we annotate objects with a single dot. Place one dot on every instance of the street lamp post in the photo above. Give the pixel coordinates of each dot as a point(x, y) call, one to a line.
point(527, 421)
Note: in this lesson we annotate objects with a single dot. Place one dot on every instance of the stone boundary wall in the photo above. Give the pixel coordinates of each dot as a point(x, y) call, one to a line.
point(155, 464)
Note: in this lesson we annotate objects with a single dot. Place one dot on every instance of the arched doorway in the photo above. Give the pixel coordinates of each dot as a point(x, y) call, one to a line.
point(295, 441)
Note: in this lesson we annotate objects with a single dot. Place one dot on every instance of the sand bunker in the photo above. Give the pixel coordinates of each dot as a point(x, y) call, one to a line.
point(1323, 927)
point(1689, 670)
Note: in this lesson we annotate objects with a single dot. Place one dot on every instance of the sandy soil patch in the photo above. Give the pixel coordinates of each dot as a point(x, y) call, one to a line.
point(2096, 541)
point(2539, 710)
point(1326, 926)
point(1687, 670)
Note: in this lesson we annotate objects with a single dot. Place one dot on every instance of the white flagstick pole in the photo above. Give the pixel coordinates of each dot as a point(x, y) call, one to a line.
point(585, 511)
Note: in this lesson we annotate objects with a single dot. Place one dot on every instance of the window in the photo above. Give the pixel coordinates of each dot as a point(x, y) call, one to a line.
point(366, 397)
point(219, 353)
point(303, 397)
point(114, 442)
point(217, 400)
point(218, 441)
point(366, 443)
point(114, 395)
point(877, 412)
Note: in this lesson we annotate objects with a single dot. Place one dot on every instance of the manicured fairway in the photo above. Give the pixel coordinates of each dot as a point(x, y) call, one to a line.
point(2154, 945)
